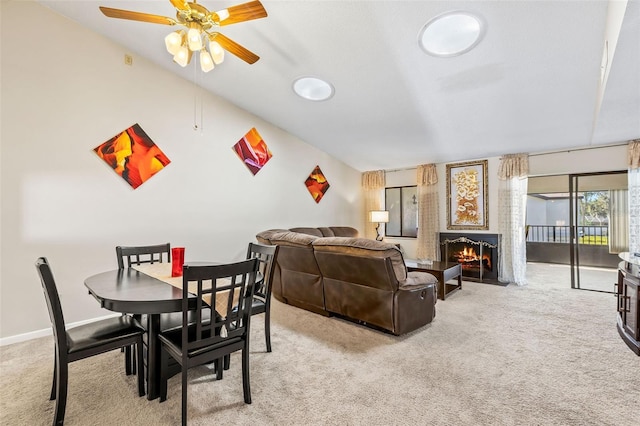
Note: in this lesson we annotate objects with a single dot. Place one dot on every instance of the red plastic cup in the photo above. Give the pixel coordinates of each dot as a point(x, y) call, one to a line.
point(177, 261)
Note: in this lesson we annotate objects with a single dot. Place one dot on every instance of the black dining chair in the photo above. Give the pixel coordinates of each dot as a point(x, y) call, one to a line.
point(136, 255)
point(83, 341)
point(128, 256)
point(209, 338)
point(266, 255)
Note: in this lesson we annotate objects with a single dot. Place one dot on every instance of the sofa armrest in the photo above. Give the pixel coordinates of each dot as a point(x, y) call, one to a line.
point(415, 302)
point(264, 237)
point(417, 280)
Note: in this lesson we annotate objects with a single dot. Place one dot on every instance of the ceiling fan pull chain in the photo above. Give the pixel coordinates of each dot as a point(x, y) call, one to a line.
point(201, 113)
point(196, 98)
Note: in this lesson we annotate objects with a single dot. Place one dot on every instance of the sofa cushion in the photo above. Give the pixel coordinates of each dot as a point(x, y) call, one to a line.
point(264, 237)
point(310, 231)
point(294, 239)
point(366, 248)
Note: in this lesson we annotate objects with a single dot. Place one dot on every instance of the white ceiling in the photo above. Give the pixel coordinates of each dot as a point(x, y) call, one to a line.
point(531, 85)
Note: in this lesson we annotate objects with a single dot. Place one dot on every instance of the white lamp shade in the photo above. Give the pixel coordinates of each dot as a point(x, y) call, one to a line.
point(206, 62)
point(183, 56)
point(380, 216)
point(194, 38)
point(217, 52)
point(173, 41)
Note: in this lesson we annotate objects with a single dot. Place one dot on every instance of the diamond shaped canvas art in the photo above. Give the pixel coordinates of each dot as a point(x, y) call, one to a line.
point(253, 151)
point(317, 184)
point(133, 155)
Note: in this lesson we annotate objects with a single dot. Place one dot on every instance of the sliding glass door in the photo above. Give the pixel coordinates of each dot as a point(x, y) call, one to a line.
point(598, 228)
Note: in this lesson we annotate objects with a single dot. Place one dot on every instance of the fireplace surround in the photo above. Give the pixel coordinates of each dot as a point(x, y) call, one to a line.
point(478, 253)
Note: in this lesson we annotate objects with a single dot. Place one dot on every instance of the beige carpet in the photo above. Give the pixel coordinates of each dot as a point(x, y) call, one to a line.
point(537, 355)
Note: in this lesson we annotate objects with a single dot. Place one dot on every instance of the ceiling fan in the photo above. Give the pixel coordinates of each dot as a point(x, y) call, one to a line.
point(199, 24)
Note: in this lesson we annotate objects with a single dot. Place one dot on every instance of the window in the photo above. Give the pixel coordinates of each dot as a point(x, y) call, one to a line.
point(402, 204)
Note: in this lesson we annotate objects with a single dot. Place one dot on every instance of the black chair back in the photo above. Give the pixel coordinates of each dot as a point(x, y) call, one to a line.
point(225, 286)
point(83, 341)
point(266, 256)
point(136, 255)
point(53, 305)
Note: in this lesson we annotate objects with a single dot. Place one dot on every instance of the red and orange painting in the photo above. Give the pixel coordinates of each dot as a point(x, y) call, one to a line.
point(317, 184)
point(133, 155)
point(253, 151)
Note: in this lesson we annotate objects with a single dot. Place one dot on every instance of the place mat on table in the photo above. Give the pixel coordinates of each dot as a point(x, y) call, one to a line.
point(162, 272)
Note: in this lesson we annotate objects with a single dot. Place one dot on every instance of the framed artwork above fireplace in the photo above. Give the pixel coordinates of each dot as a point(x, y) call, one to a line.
point(467, 195)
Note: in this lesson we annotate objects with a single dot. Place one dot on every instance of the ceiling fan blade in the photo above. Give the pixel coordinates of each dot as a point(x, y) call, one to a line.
point(234, 48)
point(240, 13)
point(180, 4)
point(136, 16)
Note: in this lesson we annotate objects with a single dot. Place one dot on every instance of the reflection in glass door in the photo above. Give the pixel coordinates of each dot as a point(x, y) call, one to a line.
point(599, 228)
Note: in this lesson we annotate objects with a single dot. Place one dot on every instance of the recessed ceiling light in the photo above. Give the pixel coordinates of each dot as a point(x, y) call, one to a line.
point(451, 34)
point(313, 89)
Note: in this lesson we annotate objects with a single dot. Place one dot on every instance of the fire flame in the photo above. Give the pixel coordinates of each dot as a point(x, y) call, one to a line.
point(469, 255)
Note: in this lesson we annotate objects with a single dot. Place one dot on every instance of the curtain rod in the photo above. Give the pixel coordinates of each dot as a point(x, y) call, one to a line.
point(579, 149)
point(531, 155)
point(401, 170)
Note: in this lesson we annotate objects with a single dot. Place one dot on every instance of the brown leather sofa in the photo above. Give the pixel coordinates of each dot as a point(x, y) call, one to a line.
point(331, 271)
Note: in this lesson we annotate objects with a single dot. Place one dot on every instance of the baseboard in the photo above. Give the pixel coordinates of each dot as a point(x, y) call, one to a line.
point(47, 331)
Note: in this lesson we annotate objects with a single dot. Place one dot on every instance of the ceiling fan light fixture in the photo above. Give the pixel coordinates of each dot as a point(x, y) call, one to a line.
point(183, 56)
point(313, 88)
point(206, 62)
point(452, 33)
point(197, 22)
point(174, 40)
point(217, 52)
point(194, 37)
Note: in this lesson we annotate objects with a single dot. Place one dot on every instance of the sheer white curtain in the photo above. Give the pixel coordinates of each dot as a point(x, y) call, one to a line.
point(428, 223)
point(372, 184)
point(618, 221)
point(634, 196)
point(512, 203)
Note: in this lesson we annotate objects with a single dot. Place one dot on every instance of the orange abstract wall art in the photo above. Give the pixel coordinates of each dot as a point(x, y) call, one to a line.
point(133, 155)
point(253, 151)
point(317, 184)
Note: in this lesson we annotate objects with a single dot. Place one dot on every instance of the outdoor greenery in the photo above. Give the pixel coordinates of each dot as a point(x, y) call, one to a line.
point(595, 208)
point(602, 240)
point(592, 218)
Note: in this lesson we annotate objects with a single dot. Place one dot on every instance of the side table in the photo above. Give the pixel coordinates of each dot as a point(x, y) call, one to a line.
point(443, 271)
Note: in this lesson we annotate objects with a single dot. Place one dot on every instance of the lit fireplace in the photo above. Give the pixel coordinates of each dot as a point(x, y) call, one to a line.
point(477, 253)
point(472, 260)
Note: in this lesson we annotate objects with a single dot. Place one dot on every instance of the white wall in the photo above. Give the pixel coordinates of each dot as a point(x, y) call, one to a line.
point(575, 161)
point(61, 201)
point(602, 159)
point(408, 177)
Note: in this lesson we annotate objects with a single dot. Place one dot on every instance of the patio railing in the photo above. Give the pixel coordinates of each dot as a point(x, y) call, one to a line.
point(588, 234)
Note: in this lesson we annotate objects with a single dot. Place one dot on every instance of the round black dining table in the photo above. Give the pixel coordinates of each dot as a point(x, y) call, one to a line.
point(134, 292)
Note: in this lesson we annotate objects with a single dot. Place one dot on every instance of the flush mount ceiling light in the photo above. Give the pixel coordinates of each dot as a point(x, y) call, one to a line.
point(451, 34)
point(313, 88)
point(200, 29)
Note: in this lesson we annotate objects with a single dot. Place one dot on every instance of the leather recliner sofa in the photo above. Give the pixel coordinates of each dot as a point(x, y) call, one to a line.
point(331, 271)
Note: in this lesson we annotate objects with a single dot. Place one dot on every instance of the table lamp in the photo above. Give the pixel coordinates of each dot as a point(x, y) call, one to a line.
point(379, 216)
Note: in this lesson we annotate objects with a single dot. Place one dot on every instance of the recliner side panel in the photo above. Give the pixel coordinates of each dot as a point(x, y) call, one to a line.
point(298, 276)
